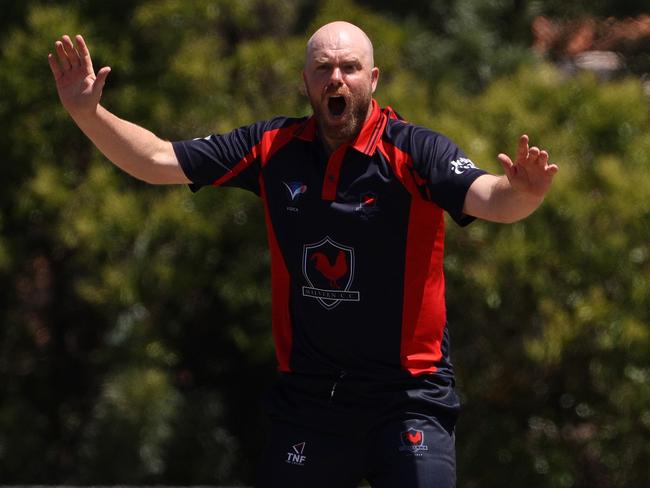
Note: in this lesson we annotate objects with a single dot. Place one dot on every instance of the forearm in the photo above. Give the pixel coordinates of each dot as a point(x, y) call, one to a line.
point(132, 148)
point(493, 198)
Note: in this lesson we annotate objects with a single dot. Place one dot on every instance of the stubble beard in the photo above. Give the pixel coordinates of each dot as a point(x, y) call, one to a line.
point(356, 116)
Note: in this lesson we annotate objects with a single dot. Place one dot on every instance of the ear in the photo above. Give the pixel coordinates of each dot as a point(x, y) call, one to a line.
point(374, 77)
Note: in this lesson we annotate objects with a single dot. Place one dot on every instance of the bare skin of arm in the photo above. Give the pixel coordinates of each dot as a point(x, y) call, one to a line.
point(518, 193)
point(132, 148)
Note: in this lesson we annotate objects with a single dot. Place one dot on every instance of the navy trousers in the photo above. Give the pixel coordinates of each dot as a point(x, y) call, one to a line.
point(333, 433)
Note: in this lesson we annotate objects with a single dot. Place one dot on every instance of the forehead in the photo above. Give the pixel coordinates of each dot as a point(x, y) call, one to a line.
point(338, 45)
point(329, 55)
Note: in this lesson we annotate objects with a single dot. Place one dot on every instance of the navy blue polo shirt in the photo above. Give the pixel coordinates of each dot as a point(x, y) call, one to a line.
point(356, 238)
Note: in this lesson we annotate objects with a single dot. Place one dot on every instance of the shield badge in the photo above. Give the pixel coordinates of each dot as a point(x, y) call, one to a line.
point(328, 268)
point(413, 441)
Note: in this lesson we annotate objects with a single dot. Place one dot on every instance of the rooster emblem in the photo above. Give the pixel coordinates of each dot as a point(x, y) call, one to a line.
point(328, 268)
point(333, 272)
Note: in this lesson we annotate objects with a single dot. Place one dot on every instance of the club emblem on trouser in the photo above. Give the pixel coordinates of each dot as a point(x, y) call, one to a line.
point(328, 267)
point(412, 440)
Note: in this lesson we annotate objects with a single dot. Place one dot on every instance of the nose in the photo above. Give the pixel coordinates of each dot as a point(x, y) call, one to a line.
point(336, 77)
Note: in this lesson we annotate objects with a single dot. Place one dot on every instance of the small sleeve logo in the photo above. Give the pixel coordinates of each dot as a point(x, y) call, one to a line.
point(460, 165)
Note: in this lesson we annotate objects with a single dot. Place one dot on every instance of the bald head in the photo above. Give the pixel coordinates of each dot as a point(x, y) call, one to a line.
point(340, 77)
point(337, 36)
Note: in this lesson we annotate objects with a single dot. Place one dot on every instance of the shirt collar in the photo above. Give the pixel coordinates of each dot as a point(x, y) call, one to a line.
point(367, 139)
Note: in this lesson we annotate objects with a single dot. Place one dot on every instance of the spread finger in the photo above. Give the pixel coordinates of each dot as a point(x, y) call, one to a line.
point(522, 150)
point(54, 66)
point(70, 51)
point(84, 53)
point(533, 154)
point(543, 158)
point(63, 57)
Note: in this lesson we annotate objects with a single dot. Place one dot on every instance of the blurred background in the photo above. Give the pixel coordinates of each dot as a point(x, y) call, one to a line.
point(135, 337)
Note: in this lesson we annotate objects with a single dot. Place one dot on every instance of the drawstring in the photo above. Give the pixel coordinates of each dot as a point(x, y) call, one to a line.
point(341, 375)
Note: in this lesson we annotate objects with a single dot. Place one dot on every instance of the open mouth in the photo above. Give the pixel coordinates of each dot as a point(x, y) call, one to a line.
point(336, 106)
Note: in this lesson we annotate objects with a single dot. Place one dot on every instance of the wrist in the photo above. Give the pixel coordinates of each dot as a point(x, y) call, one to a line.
point(84, 115)
point(522, 193)
point(528, 197)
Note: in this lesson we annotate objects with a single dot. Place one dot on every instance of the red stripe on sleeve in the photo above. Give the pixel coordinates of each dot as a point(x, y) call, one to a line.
point(243, 163)
point(424, 310)
point(270, 143)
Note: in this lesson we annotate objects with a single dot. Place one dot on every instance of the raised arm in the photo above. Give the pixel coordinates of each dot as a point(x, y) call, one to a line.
point(516, 194)
point(132, 148)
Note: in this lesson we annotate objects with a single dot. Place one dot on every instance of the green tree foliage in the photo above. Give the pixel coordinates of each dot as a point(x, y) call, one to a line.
point(134, 320)
point(552, 319)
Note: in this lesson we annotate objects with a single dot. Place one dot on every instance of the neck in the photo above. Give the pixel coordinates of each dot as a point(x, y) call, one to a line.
point(331, 144)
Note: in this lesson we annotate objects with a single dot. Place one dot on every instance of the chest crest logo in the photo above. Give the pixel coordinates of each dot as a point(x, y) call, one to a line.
point(328, 268)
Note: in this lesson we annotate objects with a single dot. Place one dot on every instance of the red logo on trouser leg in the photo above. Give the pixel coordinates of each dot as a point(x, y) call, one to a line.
point(413, 442)
point(414, 438)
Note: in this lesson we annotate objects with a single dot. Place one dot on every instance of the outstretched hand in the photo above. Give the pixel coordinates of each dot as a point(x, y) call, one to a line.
point(530, 173)
point(80, 89)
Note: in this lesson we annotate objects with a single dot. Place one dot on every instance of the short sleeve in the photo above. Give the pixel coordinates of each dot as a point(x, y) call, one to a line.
point(229, 159)
point(446, 172)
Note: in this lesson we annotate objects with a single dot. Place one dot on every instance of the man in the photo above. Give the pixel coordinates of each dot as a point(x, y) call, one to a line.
point(354, 201)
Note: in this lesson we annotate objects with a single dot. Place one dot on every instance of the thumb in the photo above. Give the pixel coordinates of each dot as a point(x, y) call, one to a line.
point(100, 81)
point(507, 164)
